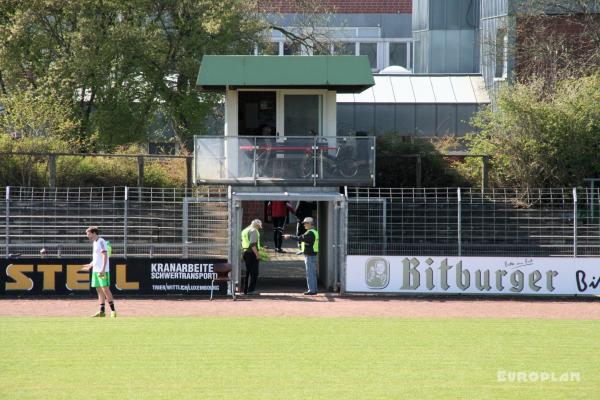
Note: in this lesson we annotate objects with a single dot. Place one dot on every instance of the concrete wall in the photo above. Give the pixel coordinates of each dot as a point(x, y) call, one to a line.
point(494, 16)
point(445, 34)
point(342, 6)
point(391, 25)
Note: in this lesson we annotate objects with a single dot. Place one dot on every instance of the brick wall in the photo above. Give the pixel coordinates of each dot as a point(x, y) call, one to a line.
point(253, 210)
point(343, 6)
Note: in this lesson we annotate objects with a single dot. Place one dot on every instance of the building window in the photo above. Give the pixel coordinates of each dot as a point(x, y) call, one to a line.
point(322, 49)
point(345, 48)
point(399, 54)
point(501, 65)
point(269, 49)
point(364, 118)
point(381, 52)
point(292, 49)
point(369, 50)
point(303, 115)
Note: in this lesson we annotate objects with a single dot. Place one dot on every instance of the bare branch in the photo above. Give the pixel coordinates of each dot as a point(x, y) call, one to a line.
point(557, 39)
point(308, 24)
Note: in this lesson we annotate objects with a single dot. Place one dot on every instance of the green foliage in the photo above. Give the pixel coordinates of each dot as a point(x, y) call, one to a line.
point(26, 170)
point(397, 166)
point(539, 138)
point(33, 113)
point(115, 65)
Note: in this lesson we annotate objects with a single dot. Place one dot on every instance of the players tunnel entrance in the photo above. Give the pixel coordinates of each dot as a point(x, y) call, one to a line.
point(284, 270)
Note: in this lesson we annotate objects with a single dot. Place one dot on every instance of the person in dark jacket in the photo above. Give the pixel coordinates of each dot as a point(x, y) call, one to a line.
point(279, 213)
point(309, 242)
point(303, 210)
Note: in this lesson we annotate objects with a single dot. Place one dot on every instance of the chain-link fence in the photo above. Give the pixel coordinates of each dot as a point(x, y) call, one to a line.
point(474, 222)
point(137, 221)
point(194, 223)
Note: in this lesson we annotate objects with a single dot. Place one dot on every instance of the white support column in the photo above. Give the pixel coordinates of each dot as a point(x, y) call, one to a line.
point(231, 112)
point(329, 114)
point(231, 150)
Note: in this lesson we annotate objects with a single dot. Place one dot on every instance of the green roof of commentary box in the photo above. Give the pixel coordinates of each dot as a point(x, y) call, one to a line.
point(344, 74)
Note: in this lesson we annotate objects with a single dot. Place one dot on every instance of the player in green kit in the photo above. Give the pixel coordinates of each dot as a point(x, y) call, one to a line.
point(100, 267)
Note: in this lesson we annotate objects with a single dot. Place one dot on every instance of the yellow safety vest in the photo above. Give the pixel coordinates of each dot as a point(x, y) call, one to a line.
point(315, 244)
point(246, 238)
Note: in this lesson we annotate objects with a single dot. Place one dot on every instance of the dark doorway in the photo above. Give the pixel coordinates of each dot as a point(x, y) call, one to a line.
point(284, 272)
point(257, 113)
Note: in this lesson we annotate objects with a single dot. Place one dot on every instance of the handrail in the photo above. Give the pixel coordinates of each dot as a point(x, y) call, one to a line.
point(140, 159)
point(292, 160)
point(29, 153)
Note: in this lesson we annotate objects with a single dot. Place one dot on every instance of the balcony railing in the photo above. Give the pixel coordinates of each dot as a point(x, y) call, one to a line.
point(276, 160)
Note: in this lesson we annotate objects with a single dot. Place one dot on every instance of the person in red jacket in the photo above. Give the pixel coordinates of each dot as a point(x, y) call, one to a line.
point(279, 212)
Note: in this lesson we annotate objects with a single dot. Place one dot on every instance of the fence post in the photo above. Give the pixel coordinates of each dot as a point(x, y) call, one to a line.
point(592, 201)
point(574, 222)
point(184, 231)
point(459, 225)
point(374, 164)
point(315, 152)
point(485, 166)
point(188, 170)
point(52, 170)
point(7, 230)
point(125, 211)
point(254, 166)
point(419, 170)
point(140, 160)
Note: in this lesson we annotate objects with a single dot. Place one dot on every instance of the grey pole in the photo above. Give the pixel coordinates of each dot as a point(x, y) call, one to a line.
point(140, 171)
point(52, 170)
point(254, 166)
point(592, 200)
point(184, 227)
point(419, 172)
point(343, 231)
point(384, 226)
point(574, 222)
point(374, 165)
point(315, 173)
point(125, 211)
point(188, 172)
point(459, 225)
point(7, 230)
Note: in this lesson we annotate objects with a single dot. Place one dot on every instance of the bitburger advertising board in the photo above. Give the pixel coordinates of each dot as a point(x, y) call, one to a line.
point(473, 275)
point(157, 276)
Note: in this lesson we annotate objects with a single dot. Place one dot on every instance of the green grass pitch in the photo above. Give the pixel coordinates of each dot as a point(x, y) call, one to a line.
point(296, 358)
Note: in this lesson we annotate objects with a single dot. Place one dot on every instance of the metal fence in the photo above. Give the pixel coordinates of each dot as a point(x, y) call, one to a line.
point(474, 222)
point(137, 221)
point(195, 223)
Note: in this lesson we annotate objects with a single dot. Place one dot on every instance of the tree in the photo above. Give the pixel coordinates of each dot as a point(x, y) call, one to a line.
point(307, 25)
point(31, 113)
point(556, 39)
point(396, 162)
point(117, 65)
point(541, 138)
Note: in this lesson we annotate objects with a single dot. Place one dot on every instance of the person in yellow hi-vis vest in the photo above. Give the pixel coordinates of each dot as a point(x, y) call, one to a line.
point(251, 247)
point(309, 244)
